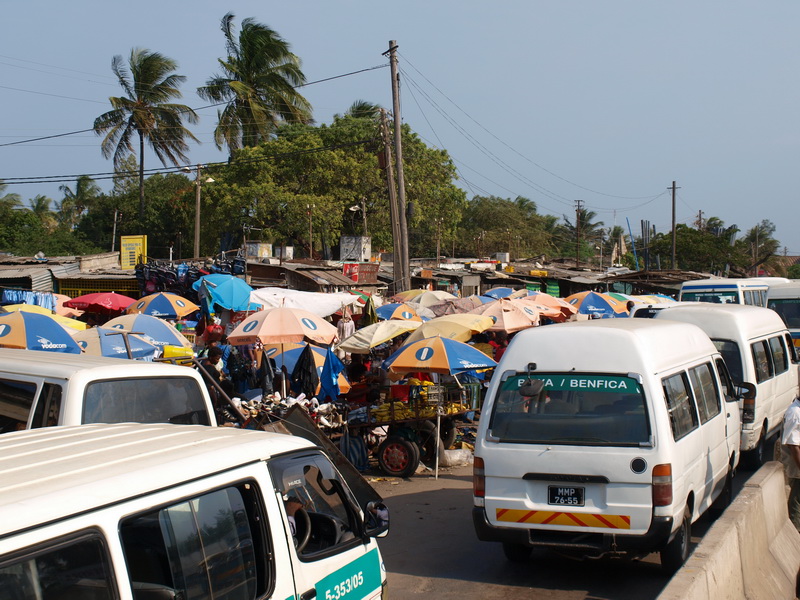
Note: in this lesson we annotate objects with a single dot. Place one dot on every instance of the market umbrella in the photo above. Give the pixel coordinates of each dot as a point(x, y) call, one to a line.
point(154, 330)
point(407, 295)
point(101, 302)
point(376, 334)
point(116, 343)
point(429, 298)
point(290, 358)
point(164, 305)
point(437, 355)
point(459, 327)
point(32, 331)
point(528, 303)
point(281, 325)
point(395, 310)
point(508, 316)
point(65, 311)
point(499, 292)
point(321, 304)
point(544, 299)
point(41, 310)
point(225, 290)
point(455, 306)
point(595, 303)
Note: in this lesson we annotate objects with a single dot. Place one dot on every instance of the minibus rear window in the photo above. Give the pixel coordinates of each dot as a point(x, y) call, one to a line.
point(145, 400)
point(573, 408)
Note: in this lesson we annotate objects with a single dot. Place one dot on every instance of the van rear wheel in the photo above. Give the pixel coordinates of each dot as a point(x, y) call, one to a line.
point(677, 551)
point(755, 458)
point(516, 553)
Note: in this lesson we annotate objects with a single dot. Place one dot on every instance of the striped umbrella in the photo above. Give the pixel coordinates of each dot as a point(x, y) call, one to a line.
point(164, 305)
point(154, 330)
point(437, 355)
point(116, 343)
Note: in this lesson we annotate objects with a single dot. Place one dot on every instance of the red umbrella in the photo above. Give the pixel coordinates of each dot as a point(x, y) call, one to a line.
point(101, 302)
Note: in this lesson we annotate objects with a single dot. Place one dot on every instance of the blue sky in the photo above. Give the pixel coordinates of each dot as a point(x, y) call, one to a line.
point(604, 102)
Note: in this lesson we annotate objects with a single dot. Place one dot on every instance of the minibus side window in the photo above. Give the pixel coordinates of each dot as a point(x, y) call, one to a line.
point(680, 405)
point(748, 297)
point(210, 546)
point(733, 358)
point(705, 391)
point(725, 379)
point(779, 357)
point(48, 408)
point(312, 481)
point(761, 361)
point(792, 348)
point(16, 400)
point(73, 568)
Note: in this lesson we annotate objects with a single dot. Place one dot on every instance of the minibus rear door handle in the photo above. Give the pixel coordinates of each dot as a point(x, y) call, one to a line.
point(312, 593)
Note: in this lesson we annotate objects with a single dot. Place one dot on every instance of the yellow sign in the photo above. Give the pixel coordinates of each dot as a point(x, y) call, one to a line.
point(538, 273)
point(132, 249)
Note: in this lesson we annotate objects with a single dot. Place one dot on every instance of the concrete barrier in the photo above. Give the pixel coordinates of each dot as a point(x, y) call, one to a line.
point(752, 551)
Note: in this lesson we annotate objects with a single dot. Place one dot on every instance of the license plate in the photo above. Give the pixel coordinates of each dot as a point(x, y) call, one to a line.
point(565, 496)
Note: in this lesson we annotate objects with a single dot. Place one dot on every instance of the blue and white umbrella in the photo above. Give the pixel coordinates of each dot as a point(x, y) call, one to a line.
point(32, 331)
point(154, 330)
point(116, 343)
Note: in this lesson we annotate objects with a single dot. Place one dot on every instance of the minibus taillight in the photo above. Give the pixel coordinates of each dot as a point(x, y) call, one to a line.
point(748, 409)
point(662, 485)
point(478, 478)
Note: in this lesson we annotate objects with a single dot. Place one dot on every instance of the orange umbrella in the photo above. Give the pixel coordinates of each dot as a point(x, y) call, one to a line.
point(508, 317)
point(281, 325)
point(407, 295)
point(547, 300)
point(556, 313)
point(597, 304)
point(63, 310)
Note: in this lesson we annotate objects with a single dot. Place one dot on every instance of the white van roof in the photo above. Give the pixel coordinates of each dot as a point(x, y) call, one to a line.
point(63, 365)
point(52, 473)
point(607, 346)
point(790, 289)
point(719, 320)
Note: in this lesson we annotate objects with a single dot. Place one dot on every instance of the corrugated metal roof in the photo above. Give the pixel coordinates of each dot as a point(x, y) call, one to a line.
point(41, 279)
point(326, 277)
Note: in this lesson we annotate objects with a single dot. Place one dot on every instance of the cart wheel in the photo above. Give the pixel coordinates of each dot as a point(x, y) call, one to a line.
point(398, 456)
point(448, 433)
point(426, 441)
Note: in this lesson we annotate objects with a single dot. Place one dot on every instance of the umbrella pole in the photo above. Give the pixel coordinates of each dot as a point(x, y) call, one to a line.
point(283, 376)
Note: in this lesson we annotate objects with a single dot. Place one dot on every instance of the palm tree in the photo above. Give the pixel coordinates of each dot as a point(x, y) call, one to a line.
point(258, 82)
point(361, 109)
point(75, 203)
point(9, 200)
point(146, 111)
point(40, 206)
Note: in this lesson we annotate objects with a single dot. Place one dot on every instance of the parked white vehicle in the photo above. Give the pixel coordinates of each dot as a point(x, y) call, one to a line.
point(166, 511)
point(758, 350)
point(41, 389)
point(723, 290)
point(784, 299)
point(605, 437)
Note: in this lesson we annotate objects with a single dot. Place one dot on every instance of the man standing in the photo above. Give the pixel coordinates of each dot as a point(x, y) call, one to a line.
point(790, 456)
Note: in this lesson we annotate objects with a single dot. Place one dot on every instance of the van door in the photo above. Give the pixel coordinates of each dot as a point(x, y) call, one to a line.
point(733, 418)
point(785, 378)
point(331, 558)
point(713, 426)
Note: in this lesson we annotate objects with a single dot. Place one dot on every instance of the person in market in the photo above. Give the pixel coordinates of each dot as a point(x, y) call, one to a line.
point(790, 457)
point(499, 343)
point(344, 329)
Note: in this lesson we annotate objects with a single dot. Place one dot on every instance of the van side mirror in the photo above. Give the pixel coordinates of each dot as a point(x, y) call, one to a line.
point(376, 520)
point(746, 391)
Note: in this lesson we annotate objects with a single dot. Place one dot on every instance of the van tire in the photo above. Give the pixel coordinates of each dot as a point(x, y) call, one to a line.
point(516, 553)
point(724, 499)
point(755, 458)
point(676, 552)
point(398, 457)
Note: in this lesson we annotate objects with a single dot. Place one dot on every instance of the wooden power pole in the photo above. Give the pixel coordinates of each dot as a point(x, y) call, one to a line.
point(394, 217)
point(674, 188)
point(398, 157)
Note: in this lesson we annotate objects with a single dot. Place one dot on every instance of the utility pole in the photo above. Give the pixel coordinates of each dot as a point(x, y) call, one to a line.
point(398, 157)
point(674, 188)
point(438, 240)
point(577, 233)
point(394, 217)
point(700, 219)
point(310, 210)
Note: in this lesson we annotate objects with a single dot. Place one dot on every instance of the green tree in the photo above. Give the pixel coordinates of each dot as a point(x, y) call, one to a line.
point(763, 248)
point(40, 206)
point(257, 83)
point(9, 200)
point(590, 232)
point(492, 224)
point(149, 83)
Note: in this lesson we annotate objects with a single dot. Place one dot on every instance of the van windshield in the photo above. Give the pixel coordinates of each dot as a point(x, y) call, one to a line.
point(715, 297)
point(145, 400)
point(788, 309)
point(572, 408)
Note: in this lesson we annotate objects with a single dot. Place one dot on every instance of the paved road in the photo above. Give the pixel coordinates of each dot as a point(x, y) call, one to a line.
point(432, 552)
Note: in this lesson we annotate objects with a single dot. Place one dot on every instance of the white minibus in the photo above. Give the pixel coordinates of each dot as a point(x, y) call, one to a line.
point(606, 437)
point(41, 389)
point(137, 511)
point(758, 350)
point(721, 290)
point(784, 299)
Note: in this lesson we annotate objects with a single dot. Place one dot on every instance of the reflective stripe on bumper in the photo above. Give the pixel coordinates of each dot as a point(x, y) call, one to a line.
point(569, 519)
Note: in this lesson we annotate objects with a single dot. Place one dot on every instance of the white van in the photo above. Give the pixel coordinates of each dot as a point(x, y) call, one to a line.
point(166, 511)
point(39, 389)
point(722, 290)
point(784, 299)
point(605, 437)
point(758, 350)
